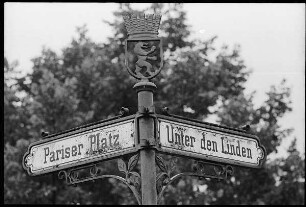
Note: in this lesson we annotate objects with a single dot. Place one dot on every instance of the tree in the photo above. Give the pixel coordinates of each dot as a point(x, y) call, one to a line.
point(289, 174)
point(88, 82)
point(15, 115)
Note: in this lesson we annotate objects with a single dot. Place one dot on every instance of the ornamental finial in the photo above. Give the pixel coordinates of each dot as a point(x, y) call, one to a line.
point(142, 25)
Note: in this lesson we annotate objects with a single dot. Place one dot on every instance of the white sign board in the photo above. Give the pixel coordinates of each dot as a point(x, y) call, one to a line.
point(73, 150)
point(214, 145)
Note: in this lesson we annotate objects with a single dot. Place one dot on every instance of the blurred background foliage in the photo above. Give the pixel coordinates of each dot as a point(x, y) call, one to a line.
point(88, 82)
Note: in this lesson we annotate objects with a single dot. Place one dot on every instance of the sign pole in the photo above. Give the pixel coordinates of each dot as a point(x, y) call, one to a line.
point(145, 91)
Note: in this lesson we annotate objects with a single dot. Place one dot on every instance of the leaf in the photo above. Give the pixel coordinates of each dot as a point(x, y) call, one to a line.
point(122, 166)
point(135, 179)
point(159, 176)
point(135, 174)
point(173, 164)
point(160, 163)
point(132, 162)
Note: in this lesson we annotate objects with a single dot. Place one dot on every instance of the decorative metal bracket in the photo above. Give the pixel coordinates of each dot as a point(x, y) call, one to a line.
point(147, 113)
point(93, 172)
point(124, 112)
point(165, 111)
point(164, 178)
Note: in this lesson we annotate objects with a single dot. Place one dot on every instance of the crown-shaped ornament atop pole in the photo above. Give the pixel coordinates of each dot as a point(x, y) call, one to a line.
point(142, 25)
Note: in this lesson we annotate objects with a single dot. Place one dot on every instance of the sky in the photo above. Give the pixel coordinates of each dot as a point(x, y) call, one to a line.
point(271, 37)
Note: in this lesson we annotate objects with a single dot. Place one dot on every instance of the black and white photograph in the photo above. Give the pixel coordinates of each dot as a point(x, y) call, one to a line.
point(154, 103)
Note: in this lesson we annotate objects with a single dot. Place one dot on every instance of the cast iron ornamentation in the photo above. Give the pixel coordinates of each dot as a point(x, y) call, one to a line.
point(141, 24)
point(132, 179)
point(200, 169)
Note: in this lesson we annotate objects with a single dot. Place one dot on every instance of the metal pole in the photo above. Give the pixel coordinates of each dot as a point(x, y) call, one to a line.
point(145, 91)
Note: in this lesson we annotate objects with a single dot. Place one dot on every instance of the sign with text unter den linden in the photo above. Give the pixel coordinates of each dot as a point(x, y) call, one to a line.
point(210, 143)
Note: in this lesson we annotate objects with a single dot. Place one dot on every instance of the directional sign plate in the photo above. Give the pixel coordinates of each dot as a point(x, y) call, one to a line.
point(210, 142)
point(87, 144)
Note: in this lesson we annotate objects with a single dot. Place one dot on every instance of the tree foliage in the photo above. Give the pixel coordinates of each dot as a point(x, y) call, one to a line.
point(88, 82)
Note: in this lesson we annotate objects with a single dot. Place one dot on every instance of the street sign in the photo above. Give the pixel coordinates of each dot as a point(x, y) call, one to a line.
point(210, 142)
point(87, 144)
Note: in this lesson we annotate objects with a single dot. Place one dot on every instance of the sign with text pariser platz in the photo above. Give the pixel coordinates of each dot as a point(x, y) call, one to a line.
point(209, 142)
point(76, 147)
